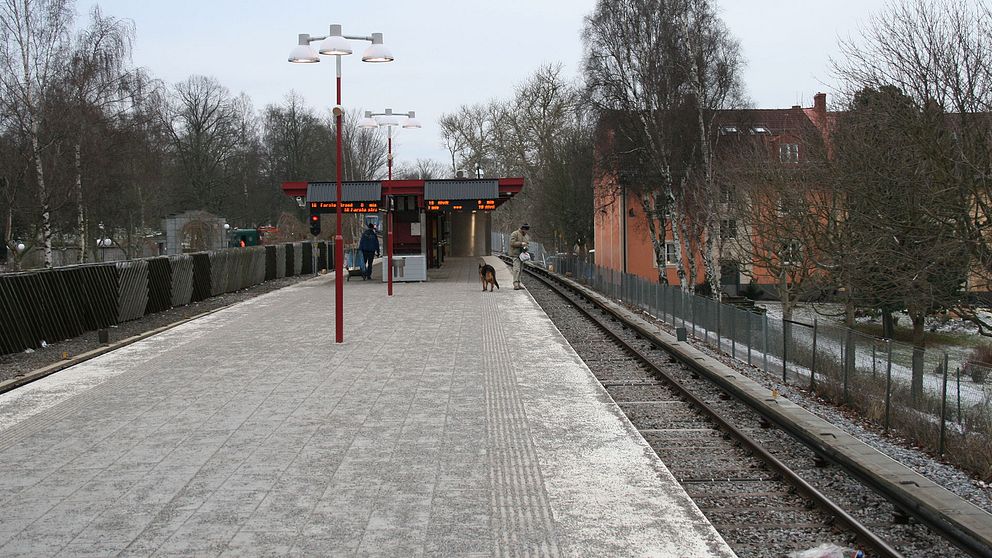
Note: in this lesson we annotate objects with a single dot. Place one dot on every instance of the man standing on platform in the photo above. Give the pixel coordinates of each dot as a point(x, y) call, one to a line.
point(369, 246)
point(518, 245)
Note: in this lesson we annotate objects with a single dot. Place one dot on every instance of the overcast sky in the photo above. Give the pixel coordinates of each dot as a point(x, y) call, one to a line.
point(452, 52)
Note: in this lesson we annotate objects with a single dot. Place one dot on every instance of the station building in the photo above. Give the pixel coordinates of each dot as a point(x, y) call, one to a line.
point(435, 219)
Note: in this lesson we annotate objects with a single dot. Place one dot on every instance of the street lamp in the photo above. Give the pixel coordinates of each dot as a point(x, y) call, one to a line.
point(336, 44)
point(390, 120)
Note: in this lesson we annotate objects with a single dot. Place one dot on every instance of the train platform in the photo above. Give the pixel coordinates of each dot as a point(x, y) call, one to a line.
point(451, 422)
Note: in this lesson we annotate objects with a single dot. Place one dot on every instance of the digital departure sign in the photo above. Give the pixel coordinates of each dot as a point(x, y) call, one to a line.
point(460, 205)
point(346, 207)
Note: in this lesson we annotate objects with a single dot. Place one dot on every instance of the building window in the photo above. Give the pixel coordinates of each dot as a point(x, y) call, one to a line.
point(789, 152)
point(728, 228)
point(728, 130)
point(670, 257)
point(792, 253)
point(727, 194)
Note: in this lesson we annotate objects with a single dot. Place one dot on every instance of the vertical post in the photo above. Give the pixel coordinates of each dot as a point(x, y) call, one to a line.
point(338, 237)
point(719, 344)
point(750, 317)
point(812, 368)
point(849, 353)
point(733, 333)
point(888, 386)
point(692, 305)
point(785, 349)
point(943, 409)
point(873, 357)
point(959, 395)
point(765, 357)
point(389, 213)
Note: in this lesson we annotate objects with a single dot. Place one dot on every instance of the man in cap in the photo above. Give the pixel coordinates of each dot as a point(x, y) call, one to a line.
point(519, 240)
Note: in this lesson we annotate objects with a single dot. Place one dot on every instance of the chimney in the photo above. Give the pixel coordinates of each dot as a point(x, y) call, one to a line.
point(820, 103)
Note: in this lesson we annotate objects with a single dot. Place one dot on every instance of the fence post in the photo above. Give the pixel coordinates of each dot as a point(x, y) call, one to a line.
point(747, 322)
point(785, 349)
point(812, 367)
point(873, 344)
point(733, 333)
point(766, 343)
point(943, 409)
point(888, 386)
point(959, 395)
point(719, 341)
point(848, 359)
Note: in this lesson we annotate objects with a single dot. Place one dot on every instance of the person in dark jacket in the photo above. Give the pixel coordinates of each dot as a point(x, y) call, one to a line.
point(369, 245)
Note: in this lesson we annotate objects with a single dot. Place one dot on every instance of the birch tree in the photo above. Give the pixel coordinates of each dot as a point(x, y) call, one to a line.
point(658, 70)
point(33, 35)
point(97, 86)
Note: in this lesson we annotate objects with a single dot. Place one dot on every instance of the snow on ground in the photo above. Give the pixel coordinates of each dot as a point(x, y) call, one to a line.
point(830, 346)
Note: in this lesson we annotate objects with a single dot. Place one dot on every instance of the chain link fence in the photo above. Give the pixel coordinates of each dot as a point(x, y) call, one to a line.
point(949, 412)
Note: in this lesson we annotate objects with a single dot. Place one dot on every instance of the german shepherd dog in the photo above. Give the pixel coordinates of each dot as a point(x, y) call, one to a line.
point(488, 276)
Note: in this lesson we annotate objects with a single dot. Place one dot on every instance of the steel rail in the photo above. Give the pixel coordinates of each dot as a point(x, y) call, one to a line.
point(862, 532)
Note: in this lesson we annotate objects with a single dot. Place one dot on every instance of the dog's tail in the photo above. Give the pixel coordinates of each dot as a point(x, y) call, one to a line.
point(495, 282)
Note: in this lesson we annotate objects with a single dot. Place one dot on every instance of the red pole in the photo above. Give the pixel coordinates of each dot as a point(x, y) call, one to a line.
point(389, 216)
point(338, 238)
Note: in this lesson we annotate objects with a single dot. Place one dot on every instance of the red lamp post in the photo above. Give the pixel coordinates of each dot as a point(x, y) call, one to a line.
point(336, 44)
point(390, 121)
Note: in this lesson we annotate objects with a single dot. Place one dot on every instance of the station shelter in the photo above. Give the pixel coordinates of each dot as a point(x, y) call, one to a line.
point(433, 218)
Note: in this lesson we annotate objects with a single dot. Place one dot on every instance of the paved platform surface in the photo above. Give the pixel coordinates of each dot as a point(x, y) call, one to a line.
point(450, 423)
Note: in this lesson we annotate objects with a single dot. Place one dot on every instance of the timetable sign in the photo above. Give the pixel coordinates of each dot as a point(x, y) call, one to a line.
point(460, 205)
point(346, 207)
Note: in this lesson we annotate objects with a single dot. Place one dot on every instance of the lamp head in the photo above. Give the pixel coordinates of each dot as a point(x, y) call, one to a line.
point(367, 121)
point(388, 119)
point(411, 120)
point(303, 53)
point(378, 51)
point(335, 44)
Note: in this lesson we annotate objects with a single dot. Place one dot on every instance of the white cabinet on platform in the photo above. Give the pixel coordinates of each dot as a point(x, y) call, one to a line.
point(408, 268)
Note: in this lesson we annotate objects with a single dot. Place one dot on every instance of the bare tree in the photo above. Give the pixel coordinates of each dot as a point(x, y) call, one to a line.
point(939, 55)
point(658, 70)
point(97, 86)
point(423, 169)
point(203, 123)
point(364, 150)
point(33, 32)
point(773, 220)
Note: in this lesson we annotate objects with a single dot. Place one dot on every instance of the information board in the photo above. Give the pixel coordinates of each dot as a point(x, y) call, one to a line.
point(346, 207)
point(460, 205)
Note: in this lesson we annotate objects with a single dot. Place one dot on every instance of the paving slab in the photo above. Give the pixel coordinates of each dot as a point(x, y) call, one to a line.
point(451, 422)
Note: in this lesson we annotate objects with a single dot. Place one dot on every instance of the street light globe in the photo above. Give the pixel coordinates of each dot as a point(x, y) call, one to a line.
point(367, 121)
point(378, 51)
point(388, 119)
point(303, 53)
point(227, 226)
point(20, 247)
point(411, 120)
point(335, 44)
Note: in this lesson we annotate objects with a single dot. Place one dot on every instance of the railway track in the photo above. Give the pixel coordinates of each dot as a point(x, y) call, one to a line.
point(767, 493)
